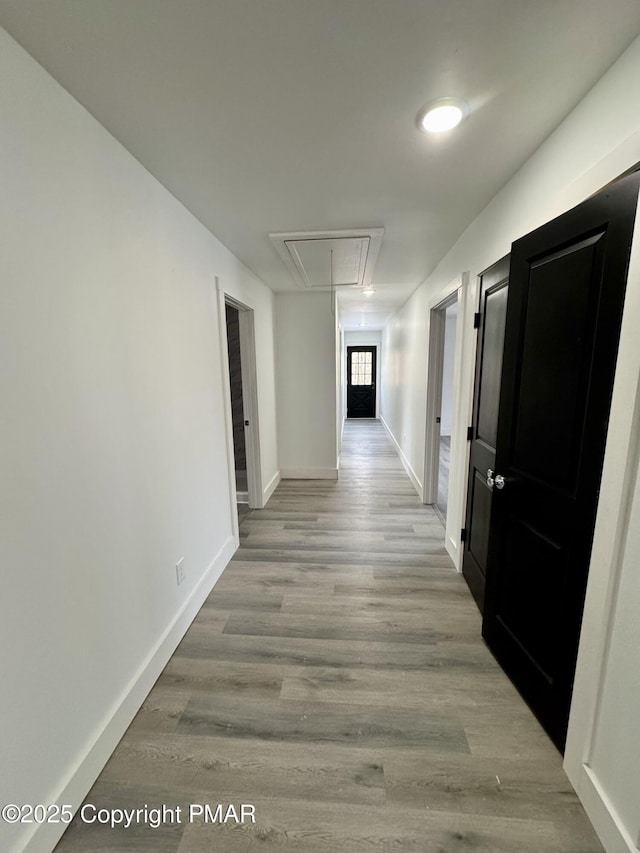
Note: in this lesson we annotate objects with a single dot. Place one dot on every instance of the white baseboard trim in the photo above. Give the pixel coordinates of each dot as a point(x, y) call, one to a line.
point(453, 550)
point(309, 473)
point(601, 812)
point(417, 485)
point(271, 487)
point(74, 788)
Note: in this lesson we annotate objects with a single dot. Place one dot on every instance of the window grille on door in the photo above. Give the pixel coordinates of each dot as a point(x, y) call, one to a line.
point(361, 366)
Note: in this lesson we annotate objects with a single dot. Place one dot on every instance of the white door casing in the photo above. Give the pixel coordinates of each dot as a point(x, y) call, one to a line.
point(603, 744)
point(464, 361)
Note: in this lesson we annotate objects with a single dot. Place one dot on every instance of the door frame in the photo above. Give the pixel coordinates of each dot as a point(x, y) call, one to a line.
point(608, 559)
point(465, 291)
point(367, 341)
point(249, 399)
point(498, 274)
point(437, 330)
point(359, 345)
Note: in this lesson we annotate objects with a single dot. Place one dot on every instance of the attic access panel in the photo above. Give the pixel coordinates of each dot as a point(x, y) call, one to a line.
point(320, 259)
point(323, 262)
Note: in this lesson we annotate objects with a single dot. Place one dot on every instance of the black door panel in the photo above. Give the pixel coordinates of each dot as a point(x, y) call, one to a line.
point(361, 382)
point(492, 313)
point(566, 292)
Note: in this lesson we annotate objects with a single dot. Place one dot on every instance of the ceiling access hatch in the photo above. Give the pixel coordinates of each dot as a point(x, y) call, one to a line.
point(341, 261)
point(322, 259)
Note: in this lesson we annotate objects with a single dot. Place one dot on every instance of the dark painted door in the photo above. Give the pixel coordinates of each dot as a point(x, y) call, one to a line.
point(361, 382)
point(566, 291)
point(492, 312)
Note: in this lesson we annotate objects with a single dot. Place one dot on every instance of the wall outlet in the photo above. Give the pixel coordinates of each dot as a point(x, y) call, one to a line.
point(180, 573)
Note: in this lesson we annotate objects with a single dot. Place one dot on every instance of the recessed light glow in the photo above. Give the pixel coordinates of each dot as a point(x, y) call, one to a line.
point(368, 291)
point(362, 323)
point(442, 115)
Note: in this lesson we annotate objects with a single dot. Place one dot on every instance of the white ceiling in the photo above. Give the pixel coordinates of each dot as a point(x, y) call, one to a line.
point(299, 115)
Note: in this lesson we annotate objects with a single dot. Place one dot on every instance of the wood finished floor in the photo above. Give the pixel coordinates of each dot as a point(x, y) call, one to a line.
point(336, 679)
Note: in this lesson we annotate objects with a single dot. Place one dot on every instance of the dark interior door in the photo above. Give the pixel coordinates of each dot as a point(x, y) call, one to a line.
point(492, 312)
point(566, 292)
point(361, 382)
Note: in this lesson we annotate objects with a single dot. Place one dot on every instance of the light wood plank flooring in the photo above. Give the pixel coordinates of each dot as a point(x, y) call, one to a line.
point(336, 679)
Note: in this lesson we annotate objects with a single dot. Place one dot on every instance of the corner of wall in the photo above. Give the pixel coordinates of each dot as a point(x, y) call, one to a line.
point(271, 486)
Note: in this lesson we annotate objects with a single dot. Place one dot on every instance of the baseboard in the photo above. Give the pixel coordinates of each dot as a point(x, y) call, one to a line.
point(601, 812)
point(309, 473)
point(271, 487)
point(417, 485)
point(453, 550)
point(81, 777)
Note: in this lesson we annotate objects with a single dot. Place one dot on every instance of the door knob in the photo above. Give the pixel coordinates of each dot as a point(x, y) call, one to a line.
point(496, 480)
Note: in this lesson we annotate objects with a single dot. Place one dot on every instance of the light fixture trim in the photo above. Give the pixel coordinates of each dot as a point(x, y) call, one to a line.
point(442, 115)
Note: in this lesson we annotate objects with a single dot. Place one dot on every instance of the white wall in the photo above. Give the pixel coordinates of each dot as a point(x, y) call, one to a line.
point(306, 385)
point(599, 140)
point(403, 382)
point(363, 338)
point(612, 760)
point(112, 437)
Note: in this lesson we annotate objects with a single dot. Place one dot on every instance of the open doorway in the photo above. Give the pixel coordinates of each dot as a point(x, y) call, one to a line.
point(441, 403)
point(360, 374)
point(447, 398)
point(361, 382)
point(237, 408)
point(454, 304)
point(238, 351)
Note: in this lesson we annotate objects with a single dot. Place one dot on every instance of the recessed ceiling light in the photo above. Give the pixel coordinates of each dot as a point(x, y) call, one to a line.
point(368, 291)
point(443, 114)
point(362, 323)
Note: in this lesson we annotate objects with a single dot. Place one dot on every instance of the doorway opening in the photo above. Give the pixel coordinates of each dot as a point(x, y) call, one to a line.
point(442, 361)
point(232, 316)
point(361, 382)
point(238, 351)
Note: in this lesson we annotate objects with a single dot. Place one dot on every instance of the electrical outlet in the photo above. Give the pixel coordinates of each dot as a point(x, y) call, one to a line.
point(180, 574)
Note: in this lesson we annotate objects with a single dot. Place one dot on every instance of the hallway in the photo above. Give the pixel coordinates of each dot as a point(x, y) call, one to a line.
point(336, 679)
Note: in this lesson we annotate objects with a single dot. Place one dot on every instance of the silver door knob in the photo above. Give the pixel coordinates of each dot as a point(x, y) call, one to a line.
point(496, 480)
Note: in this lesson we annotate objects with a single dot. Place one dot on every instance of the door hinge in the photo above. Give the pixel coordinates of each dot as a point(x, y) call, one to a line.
point(463, 534)
point(476, 320)
point(470, 433)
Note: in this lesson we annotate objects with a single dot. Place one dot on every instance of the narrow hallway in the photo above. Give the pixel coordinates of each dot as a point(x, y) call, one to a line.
point(336, 679)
